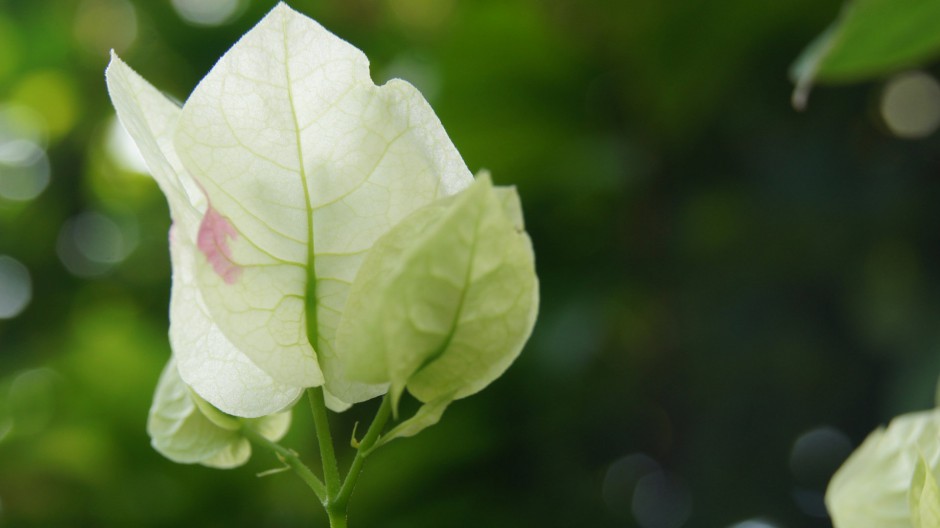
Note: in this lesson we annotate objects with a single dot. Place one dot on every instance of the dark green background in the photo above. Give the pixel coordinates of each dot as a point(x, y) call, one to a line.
point(720, 274)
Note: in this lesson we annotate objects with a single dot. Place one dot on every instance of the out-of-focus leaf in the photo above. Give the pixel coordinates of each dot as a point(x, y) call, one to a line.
point(427, 415)
point(869, 38)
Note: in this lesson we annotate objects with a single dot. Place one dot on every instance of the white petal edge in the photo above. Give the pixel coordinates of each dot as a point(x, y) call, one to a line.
point(207, 361)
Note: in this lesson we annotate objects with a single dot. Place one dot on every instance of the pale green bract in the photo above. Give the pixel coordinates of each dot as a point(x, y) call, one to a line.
point(187, 430)
point(873, 488)
point(924, 497)
point(325, 233)
point(461, 276)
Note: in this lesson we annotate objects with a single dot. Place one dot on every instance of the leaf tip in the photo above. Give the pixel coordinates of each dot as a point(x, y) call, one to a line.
point(800, 96)
point(114, 62)
point(283, 10)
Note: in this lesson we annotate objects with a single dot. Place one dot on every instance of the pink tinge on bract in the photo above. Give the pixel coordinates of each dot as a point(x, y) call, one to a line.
point(214, 232)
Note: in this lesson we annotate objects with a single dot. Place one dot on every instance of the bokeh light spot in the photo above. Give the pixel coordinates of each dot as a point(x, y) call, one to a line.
point(620, 482)
point(103, 25)
point(19, 122)
point(24, 170)
point(52, 95)
point(661, 500)
point(207, 12)
point(754, 523)
point(817, 454)
point(16, 288)
point(422, 14)
point(24, 166)
point(31, 400)
point(910, 105)
point(91, 243)
point(811, 502)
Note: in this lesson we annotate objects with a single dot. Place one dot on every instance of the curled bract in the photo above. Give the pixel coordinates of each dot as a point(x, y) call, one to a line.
point(188, 430)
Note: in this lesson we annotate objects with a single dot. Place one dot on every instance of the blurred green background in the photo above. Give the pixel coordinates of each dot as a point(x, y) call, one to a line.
point(734, 293)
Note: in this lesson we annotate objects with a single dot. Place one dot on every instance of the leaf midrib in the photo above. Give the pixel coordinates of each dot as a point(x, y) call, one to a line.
point(458, 313)
point(310, 293)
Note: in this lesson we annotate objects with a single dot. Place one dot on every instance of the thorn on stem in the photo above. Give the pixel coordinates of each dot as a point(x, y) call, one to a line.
point(273, 471)
point(352, 439)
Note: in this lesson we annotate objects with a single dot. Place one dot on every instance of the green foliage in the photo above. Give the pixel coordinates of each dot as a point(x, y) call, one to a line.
point(869, 38)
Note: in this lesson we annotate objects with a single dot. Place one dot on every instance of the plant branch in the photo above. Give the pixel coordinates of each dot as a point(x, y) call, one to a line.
point(290, 458)
point(322, 424)
point(362, 451)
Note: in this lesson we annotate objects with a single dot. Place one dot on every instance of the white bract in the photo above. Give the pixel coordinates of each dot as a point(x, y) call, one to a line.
point(890, 481)
point(295, 185)
point(186, 429)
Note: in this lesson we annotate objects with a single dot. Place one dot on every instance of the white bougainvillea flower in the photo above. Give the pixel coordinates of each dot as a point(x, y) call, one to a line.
point(282, 169)
point(881, 484)
point(186, 429)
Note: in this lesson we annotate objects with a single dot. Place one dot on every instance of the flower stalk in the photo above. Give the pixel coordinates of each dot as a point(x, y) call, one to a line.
point(289, 457)
point(335, 493)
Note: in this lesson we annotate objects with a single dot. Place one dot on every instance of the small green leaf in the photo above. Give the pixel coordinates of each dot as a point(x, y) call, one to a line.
point(924, 497)
point(426, 416)
point(869, 38)
point(188, 430)
point(445, 301)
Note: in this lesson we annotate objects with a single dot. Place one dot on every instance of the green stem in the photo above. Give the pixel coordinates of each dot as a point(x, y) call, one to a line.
point(365, 446)
point(337, 493)
point(291, 459)
point(337, 518)
point(322, 424)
